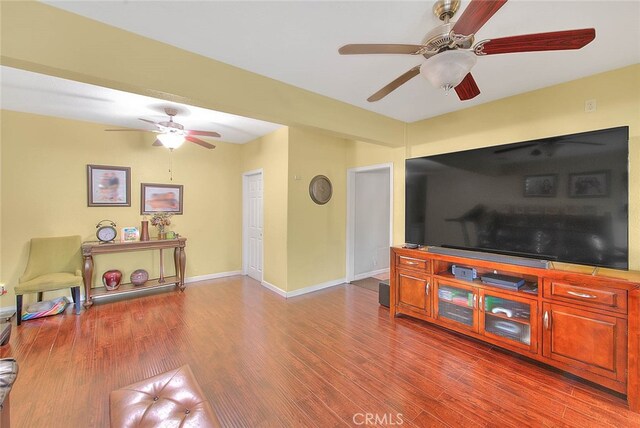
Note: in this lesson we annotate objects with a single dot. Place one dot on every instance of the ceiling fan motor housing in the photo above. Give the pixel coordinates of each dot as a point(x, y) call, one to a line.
point(173, 126)
point(440, 39)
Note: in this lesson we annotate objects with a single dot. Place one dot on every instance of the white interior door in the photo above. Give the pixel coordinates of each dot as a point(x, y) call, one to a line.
point(253, 225)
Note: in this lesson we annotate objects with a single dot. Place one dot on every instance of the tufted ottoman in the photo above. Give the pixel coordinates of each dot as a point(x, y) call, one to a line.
point(171, 399)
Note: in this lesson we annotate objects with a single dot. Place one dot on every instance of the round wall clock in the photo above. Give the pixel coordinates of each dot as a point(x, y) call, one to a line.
point(320, 189)
point(106, 233)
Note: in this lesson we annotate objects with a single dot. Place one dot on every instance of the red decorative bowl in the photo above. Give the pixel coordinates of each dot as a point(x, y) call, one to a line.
point(111, 279)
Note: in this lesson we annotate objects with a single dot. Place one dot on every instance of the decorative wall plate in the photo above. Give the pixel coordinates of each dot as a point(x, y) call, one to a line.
point(320, 189)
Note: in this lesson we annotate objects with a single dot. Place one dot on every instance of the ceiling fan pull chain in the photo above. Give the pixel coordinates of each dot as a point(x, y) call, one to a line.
point(171, 165)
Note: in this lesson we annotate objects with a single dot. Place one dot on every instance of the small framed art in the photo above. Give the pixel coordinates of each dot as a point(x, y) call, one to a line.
point(156, 198)
point(594, 184)
point(130, 234)
point(108, 186)
point(542, 186)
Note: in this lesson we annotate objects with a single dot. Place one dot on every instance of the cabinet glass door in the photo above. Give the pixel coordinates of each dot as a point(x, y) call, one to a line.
point(508, 318)
point(456, 304)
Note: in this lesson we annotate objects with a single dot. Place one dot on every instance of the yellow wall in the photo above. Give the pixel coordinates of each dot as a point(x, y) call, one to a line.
point(271, 154)
point(556, 110)
point(316, 233)
point(304, 243)
point(44, 193)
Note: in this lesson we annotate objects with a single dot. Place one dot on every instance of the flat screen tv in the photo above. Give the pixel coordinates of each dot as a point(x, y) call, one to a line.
point(560, 198)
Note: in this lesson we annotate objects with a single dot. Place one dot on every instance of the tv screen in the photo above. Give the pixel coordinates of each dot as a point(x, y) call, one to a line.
point(560, 198)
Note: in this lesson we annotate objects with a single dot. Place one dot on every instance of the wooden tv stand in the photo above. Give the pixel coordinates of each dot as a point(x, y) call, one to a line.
point(582, 323)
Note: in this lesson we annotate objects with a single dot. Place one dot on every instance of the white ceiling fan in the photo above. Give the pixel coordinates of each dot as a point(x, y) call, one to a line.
point(171, 134)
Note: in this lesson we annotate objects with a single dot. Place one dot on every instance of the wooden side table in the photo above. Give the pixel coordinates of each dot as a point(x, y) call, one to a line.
point(92, 248)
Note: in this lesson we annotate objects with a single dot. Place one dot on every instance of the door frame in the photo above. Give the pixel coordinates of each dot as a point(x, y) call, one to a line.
point(245, 220)
point(351, 212)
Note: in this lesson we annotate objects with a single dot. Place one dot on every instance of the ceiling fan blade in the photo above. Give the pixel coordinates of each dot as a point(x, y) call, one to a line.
point(147, 120)
point(200, 142)
point(395, 84)
point(476, 15)
point(467, 89)
point(157, 143)
point(510, 149)
point(204, 133)
point(554, 41)
point(358, 49)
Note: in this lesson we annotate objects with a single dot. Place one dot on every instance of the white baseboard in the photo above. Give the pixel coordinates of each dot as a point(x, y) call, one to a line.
point(270, 286)
point(275, 289)
point(316, 287)
point(305, 290)
point(368, 274)
point(191, 279)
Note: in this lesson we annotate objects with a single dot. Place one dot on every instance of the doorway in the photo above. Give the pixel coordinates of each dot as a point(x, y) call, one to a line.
point(252, 224)
point(369, 221)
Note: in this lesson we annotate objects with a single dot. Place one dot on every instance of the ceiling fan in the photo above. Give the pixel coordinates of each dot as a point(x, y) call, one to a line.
point(449, 52)
point(172, 134)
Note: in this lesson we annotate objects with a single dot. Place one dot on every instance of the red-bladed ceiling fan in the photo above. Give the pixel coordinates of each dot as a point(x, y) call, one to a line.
point(172, 134)
point(449, 52)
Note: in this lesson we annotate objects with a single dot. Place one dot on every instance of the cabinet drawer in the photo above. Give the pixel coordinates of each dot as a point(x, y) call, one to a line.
point(411, 263)
point(588, 295)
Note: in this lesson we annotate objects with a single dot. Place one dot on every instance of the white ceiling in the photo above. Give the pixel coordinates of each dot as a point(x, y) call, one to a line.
point(297, 42)
point(51, 96)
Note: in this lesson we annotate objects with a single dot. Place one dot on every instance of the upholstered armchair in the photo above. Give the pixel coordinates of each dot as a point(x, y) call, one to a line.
point(54, 264)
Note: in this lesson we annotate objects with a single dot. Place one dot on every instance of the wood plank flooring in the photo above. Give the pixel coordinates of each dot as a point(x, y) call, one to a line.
point(327, 359)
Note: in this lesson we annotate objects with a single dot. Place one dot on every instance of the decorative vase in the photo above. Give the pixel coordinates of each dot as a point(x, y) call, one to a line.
point(144, 230)
point(139, 277)
point(162, 235)
point(111, 279)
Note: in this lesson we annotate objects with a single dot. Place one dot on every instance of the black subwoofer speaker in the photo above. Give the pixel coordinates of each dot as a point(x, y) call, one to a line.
point(383, 293)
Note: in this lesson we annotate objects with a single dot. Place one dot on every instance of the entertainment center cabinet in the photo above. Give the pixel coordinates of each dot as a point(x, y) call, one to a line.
point(585, 324)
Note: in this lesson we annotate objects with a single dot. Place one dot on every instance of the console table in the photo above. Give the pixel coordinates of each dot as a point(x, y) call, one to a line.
point(89, 249)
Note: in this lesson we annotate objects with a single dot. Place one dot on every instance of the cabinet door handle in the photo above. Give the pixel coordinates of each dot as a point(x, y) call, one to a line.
point(426, 289)
point(583, 295)
point(545, 320)
point(409, 262)
point(480, 305)
point(475, 301)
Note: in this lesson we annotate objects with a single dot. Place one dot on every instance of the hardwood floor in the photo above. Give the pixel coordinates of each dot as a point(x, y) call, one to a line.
point(326, 359)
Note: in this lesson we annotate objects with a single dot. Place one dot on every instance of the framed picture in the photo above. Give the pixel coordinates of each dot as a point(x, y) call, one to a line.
point(594, 184)
point(108, 186)
point(129, 234)
point(544, 186)
point(155, 198)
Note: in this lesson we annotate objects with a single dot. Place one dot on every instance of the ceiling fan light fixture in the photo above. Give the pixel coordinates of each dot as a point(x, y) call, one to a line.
point(171, 140)
point(447, 69)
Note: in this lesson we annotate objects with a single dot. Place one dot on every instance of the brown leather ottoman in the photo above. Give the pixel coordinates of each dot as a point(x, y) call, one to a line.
point(171, 399)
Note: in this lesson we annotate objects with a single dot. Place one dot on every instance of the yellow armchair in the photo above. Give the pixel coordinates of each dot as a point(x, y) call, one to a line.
point(54, 264)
